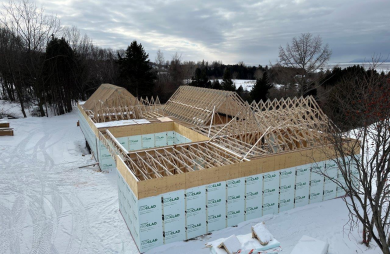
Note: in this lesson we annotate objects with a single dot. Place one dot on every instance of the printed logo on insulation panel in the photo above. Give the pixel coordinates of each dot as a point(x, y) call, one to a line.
point(252, 209)
point(269, 192)
point(269, 177)
point(214, 202)
point(285, 188)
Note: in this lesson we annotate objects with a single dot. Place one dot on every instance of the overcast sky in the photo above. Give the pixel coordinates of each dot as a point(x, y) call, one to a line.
point(230, 31)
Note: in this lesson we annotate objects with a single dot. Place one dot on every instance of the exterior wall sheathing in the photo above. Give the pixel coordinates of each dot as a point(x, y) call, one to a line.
point(188, 213)
point(184, 206)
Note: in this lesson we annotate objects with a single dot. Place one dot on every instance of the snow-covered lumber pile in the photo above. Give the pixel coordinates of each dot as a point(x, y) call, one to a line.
point(248, 243)
point(261, 233)
point(5, 130)
point(231, 244)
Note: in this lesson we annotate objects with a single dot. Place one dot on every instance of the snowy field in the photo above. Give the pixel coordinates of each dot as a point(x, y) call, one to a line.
point(247, 84)
point(50, 205)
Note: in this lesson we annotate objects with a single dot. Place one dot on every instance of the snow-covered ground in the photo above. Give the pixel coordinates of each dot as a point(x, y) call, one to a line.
point(246, 84)
point(12, 109)
point(50, 205)
point(47, 203)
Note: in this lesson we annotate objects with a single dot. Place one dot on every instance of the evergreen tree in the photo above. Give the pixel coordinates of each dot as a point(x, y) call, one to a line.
point(227, 83)
point(240, 91)
point(205, 78)
point(135, 72)
point(200, 78)
point(196, 79)
point(217, 85)
point(261, 88)
point(60, 75)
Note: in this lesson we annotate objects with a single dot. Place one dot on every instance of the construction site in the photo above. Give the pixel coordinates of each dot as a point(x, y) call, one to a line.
point(206, 159)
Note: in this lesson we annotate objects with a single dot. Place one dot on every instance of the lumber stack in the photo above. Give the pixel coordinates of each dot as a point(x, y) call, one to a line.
point(5, 129)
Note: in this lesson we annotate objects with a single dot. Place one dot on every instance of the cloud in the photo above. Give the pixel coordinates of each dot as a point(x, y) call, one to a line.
point(231, 31)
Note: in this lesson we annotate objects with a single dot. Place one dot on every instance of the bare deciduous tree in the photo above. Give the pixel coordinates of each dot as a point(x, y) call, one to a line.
point(364, 101)
point(176, 72)
point(258, 73)
point(189, 71)
point(34, 29)
point(306, 54)
point(159, 60)
point(11, 53)
point(30, 23)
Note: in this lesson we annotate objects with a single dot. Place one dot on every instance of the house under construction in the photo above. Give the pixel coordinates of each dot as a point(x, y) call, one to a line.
point(206, 160)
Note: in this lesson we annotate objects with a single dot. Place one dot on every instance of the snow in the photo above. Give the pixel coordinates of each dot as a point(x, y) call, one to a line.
point(310, 245)
point(50, 205)
point(121, 123)
point(47, 203)
point(262, 233)
point(115, 123)
point(247, 84)
point(11, 109)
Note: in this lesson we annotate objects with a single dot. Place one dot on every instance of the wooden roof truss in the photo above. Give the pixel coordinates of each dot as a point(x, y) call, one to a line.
point(271, 127)
point(178, 159)
point(255, 130)
point(197, 106)
point(125, 108)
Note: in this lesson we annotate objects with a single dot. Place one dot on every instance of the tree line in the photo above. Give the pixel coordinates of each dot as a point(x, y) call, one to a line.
point(55, 66)
point(46, 65)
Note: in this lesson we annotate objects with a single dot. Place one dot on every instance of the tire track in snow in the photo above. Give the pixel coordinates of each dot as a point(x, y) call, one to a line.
point(55, 216)
point(37, 201)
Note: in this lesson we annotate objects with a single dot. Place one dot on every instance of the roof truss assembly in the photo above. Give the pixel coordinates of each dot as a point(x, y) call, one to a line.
point(237, 131)
point(197, 106)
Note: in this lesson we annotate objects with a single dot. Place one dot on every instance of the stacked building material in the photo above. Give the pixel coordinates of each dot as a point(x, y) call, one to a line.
point(5, 129)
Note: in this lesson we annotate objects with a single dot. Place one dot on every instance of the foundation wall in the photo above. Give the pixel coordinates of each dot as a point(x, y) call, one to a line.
point(88, 132)
point(188, 213)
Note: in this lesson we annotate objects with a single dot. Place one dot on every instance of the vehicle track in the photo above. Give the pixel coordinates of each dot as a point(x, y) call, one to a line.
point(43, 203)
point(44, 196)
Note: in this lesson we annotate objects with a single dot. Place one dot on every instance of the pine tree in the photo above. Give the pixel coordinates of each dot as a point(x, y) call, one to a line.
point(59, 75)
point(227, 83)
point(240, 91)
point(205, 78)
point(217, 85)
point(135, 72)
point(261, 88)
point(196, 79)
point(200, 78)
